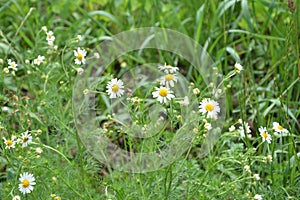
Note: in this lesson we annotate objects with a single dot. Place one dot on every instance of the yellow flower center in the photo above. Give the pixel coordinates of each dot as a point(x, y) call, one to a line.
point(25, 183)
point(115, 88)
point(163, 92)
point(38, 60)
point(264, 134)
point(169, 77)
point(25, 139)
point(9, 143)
point(79, 56)
point(209, 107)
point(280, 127)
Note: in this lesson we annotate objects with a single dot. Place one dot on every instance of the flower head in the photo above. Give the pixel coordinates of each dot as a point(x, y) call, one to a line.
point(278, 128)
point(245, 127)
point(264, 134)
point(196, 91)
point(258, 197)
point(17, 197)
point(185, 101)
point(27, 182)
point(26, 139)
point(232, 128)
point(12, 65)
point(50, 38)
point(10, 143)
point(115, 88)
point(238, 67)
point(168, 80)
point(163, 94)
point(80, 56)
point(256, 177)
point(209, 107)
point(167, 68)
point(40, 59)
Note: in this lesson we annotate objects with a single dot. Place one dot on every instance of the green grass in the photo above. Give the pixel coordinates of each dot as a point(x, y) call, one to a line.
point(262, 35)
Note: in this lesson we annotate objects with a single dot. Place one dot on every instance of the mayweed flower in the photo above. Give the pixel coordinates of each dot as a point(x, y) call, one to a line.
point(27, 182)
point(258, 197)
point(278, 128)
point(10, 143)
point(207, 126)
point(268, 159)
point(238, 67)
point(12, 65)
point(163, 94)
point(209, 107)
point(256, 177)
point(17, 197)
point(247, 168)
point(168, 80)
point(245, 127)
point(26, 139)
point(196, 91)
point(50, 38)
point(39, 150)
point(168, 68)
point(264, 134)
point(80, 70)
point(185, 101)
point(80, 56)
point(40, 59)
point(44, 28)
point(79, 38)
point(231, 128)
point(97, 55)
point(115, 88)
point(86, 91)
point(6, 70)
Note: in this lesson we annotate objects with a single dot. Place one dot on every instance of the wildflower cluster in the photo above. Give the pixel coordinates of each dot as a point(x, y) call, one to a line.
point(244, 129)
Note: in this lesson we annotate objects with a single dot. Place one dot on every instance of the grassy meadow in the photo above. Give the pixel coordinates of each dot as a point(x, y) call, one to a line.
point(46, 45)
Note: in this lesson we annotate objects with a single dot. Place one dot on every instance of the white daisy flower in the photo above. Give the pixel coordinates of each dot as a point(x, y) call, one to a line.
point(27, 182)
point(115, 88)
point(80, 56)
point(185, 101)
point(12, 65)
point(256, 177)
point(196, 91)
point(40, 59)
point(44, 28)
point(278, 128)
point(80, 70)
point(39, 150)
point(26, 139)
point(163, 94)
point(238, 67)
point(247, 168)
point(264, 134)
point(50, 38)
point(245, 127)
point(17, 197)
point(231, 128)
point(209, 107)
point(79, 38)
point(9, 144)
point(258, 197)
point(6, 70)
point(207, 126)
point(168, 68)
point(168, 80)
